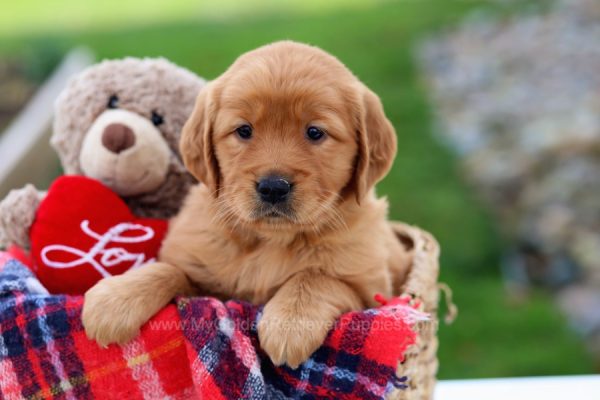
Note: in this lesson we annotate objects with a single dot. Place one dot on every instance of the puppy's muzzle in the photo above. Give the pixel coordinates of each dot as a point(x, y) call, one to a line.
point(273, 189)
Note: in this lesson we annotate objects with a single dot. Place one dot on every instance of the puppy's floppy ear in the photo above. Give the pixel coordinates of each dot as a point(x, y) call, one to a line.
point(196, 144)
point(376, 143)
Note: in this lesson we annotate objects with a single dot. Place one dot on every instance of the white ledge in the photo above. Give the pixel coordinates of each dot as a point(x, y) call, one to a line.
point(586, 387)
point(25, 154)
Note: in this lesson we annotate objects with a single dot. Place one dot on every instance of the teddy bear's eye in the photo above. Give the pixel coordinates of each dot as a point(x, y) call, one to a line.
point(157, 119)
point(113, 101)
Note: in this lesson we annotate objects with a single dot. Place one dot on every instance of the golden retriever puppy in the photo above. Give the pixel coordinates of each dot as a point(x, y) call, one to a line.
point(288, 144)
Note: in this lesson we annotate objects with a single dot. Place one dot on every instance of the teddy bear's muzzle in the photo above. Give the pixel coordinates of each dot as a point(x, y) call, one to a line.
point(126, 152)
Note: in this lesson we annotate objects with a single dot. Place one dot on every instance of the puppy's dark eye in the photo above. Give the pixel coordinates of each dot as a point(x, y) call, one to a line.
point(314, 134)
point(244, 131)
point(113, 101)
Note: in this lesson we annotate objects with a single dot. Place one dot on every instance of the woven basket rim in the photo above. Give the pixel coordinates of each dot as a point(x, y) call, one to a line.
point(424, 271)
point(420, 364)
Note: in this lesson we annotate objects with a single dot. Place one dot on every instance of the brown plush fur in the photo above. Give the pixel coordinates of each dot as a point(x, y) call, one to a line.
point(330, 255)
point(142, 86)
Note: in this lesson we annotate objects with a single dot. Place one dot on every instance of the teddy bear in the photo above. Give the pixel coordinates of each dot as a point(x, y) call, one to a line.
point(117, 122)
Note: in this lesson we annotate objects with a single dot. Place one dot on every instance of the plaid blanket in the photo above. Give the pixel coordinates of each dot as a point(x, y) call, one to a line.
point(197, 348)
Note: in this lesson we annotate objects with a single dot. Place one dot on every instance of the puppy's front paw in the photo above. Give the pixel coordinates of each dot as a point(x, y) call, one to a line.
point(291, 339)
point(111, 313)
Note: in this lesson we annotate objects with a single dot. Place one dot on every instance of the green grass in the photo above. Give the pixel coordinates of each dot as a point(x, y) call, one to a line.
point(26, 16)
point(492, 336)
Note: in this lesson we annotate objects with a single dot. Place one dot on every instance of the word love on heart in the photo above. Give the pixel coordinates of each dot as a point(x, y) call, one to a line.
point(109, 257)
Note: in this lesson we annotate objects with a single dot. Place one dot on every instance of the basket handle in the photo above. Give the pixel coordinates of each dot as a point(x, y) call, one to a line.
point(451, 308)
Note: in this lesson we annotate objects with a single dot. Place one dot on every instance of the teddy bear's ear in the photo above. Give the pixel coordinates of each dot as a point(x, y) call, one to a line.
point(196, 143)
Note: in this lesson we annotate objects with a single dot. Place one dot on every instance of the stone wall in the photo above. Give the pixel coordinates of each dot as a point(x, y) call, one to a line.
point(519, 101)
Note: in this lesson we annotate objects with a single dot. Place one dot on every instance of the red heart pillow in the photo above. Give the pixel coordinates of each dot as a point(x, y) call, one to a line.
point(84, 232)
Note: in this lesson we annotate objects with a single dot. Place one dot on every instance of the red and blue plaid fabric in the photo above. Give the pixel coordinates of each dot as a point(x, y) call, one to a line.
point(198, 348)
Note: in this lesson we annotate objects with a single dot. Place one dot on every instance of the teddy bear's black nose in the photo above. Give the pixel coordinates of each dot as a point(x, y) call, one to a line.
point(118, 138)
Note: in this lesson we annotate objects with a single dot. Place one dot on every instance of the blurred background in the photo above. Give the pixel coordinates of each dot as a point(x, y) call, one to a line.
point(497, 109)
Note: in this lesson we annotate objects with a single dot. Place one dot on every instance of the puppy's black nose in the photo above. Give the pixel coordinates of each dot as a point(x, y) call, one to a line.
point(273, 189)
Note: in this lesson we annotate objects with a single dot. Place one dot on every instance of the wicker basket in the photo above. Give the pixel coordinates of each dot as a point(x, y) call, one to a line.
point(420, 364)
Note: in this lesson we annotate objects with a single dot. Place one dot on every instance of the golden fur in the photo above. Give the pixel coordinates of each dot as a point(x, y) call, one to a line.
point(329, 255)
